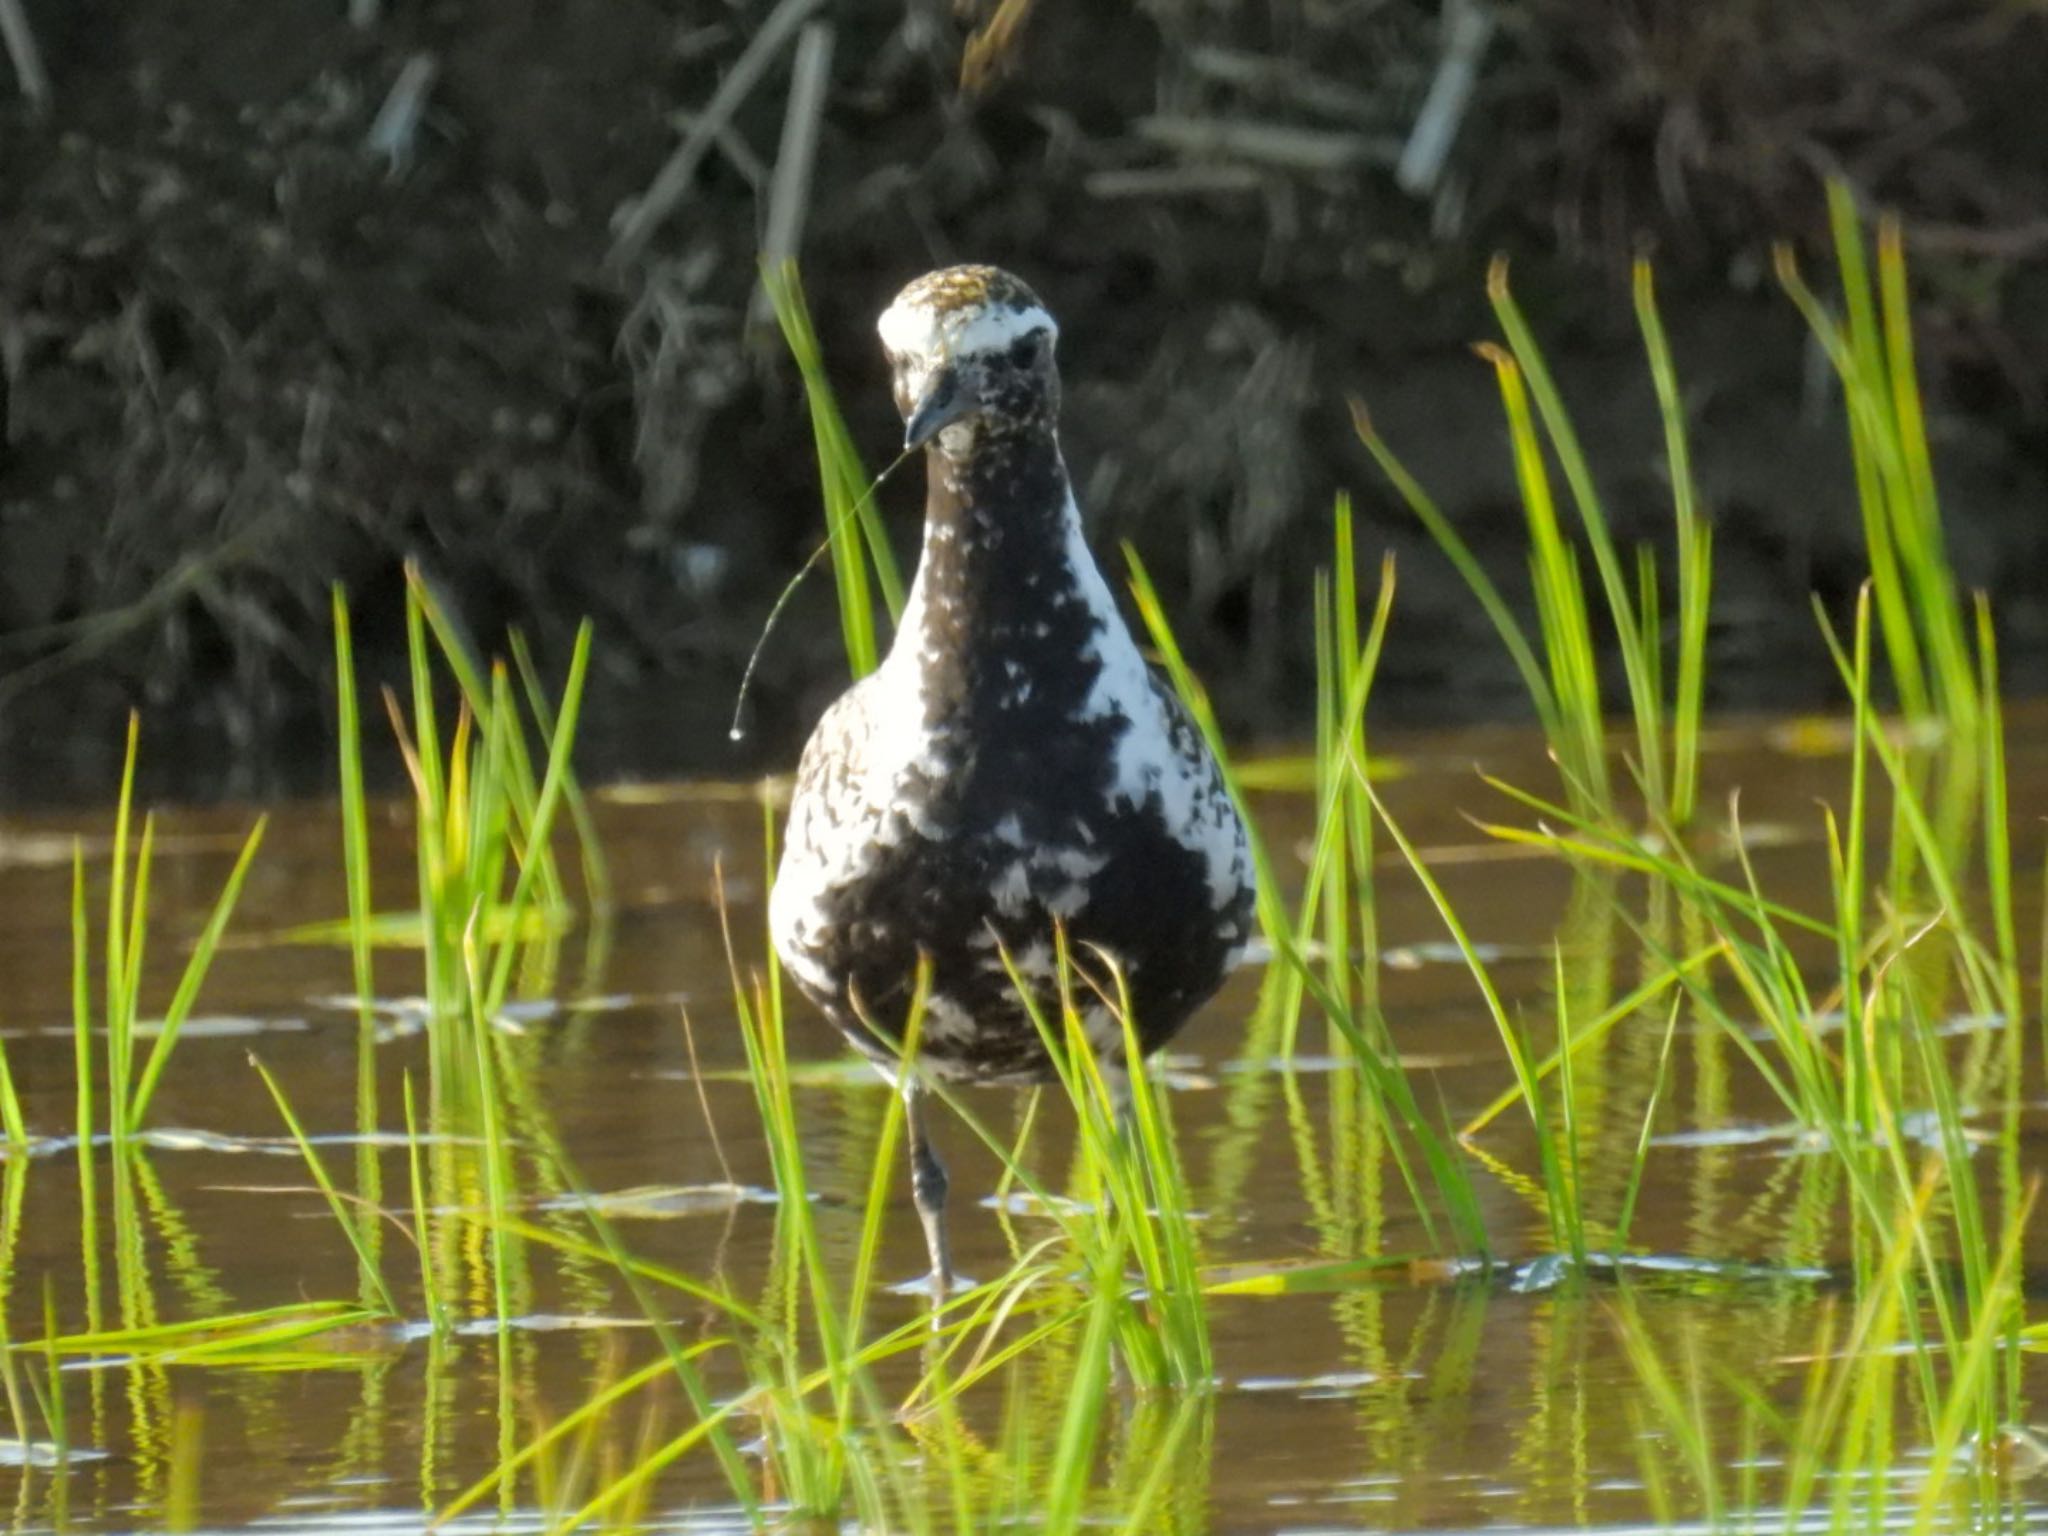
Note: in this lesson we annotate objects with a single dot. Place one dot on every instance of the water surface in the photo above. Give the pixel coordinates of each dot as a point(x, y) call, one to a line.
point(1420, 1397)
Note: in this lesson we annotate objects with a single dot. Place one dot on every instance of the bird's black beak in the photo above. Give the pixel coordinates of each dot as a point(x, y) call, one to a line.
point(949, 394)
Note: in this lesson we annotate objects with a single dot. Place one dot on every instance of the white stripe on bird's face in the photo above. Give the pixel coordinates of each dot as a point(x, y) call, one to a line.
point(914, 330)
point(955, 317)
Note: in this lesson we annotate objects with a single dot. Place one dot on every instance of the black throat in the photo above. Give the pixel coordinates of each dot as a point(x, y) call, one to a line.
point(1005, 628)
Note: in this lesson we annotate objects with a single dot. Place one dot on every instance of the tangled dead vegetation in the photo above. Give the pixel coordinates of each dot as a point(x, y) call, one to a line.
point(288, 301)
point(1711, 123)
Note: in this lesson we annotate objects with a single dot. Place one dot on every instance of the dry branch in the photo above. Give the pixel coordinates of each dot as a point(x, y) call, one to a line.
point(671, 183)
point(789, 194)
point(1280, 145)
point(1280, 79)
point(1176, 181)
point(1468, 27)
point(394, 132)
point(28, 60)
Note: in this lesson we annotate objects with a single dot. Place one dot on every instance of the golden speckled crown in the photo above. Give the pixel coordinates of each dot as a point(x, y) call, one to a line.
point(957, 311)
point(951, 289)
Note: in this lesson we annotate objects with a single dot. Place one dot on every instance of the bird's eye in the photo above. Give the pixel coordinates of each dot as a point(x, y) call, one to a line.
point(1026, 350)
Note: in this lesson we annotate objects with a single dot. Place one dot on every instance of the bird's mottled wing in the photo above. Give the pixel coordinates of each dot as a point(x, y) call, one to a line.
point(1191, 746)
point(834, 760)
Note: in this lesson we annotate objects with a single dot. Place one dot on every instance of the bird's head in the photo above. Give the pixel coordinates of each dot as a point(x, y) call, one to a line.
point(971, 351)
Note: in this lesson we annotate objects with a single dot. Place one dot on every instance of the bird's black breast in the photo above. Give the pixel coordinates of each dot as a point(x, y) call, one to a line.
point(966, 892)
point(1016, 829)
point(1019, 813)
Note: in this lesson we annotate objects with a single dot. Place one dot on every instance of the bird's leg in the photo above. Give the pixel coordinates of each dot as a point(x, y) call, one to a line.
point(928, 1189)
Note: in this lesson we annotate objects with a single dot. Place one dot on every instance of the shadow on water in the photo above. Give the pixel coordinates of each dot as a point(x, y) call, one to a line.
point(233, 1344)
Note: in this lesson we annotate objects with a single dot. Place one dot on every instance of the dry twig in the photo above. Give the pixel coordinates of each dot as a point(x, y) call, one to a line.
point(1175, 181)
point(1281, 79)
point(672, 182)
point(990, 50)
point(394, 133)
point(1468, 27)
point(28, 60)
point(1280, 145)
point(789, 194)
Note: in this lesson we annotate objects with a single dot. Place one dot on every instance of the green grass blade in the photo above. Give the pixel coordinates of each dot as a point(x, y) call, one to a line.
point(318, 1169)
point(1560, 595)
point(1625, 1220)
point(355, 828)
point(1695, 556)
point(117, 968)
point(193, 976)
point(10, 1109)
point(597, 883)
point(541, 822)
point(1637, 646)
point(1468, 568)
point(852, 525)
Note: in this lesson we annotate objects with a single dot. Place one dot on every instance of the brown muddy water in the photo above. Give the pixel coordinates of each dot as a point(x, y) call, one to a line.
point(1418, 1399)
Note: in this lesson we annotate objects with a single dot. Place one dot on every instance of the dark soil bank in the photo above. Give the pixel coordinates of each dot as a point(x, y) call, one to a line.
point(265, 328)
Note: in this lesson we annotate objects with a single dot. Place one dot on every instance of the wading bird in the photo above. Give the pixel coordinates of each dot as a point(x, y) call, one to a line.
point(1012, 766)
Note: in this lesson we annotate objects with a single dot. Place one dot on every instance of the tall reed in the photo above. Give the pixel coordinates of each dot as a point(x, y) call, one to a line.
point(862, 560)
point(130, 1090)
point(1563, 679)
point(1339, 873)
